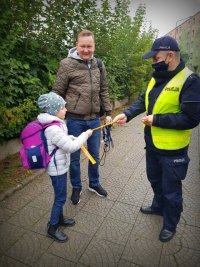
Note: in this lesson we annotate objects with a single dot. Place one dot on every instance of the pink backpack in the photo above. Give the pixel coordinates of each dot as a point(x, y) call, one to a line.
point(34, 151)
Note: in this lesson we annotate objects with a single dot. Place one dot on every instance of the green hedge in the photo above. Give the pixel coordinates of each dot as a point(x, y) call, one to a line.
point(13, 120)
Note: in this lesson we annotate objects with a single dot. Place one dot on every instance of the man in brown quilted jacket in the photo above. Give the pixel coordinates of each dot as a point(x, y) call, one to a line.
point(80, 82)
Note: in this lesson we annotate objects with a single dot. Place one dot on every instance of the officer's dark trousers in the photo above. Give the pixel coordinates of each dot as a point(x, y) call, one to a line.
point(165, 173)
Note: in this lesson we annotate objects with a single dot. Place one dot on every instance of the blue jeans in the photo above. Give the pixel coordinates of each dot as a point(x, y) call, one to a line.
point(60, 194)
point(75, 128)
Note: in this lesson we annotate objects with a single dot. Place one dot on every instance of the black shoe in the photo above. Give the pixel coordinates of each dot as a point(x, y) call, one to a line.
point(149, 210)
point(69, 222)
point(98, 190)
point(166, 235)
point(75, 197)
point(54, 232)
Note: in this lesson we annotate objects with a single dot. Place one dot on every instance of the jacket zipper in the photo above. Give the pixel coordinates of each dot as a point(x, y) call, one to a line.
point(79, 95)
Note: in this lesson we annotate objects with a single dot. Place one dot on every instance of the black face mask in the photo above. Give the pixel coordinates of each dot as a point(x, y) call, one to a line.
point(160, 66)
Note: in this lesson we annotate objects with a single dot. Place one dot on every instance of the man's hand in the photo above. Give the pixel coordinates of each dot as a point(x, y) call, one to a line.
point(120, 119)
point(148, 120)
point(108, 119)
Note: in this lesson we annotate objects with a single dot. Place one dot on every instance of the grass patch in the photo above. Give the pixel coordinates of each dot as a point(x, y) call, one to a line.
point(12, 172)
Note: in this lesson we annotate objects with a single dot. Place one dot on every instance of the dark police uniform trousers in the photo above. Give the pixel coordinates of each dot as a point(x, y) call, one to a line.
point(165, 173)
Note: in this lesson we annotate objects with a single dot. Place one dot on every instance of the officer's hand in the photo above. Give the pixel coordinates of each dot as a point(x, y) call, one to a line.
point(120, 119)
point(148, 120)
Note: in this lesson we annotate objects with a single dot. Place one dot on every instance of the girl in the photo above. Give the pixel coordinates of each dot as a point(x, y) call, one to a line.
point(57, 136)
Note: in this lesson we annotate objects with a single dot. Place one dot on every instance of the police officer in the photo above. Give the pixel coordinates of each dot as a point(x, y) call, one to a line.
point(172, 106)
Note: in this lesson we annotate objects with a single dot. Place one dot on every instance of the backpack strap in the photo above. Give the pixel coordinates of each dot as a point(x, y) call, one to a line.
point(100, 65)
point(56, 148)
point(46, 126)
point(50, 124)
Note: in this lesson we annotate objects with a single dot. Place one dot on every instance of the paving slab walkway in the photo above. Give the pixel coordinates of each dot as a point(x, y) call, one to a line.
point(109, 231)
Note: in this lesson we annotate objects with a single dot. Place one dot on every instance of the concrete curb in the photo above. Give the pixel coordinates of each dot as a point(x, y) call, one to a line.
point(26, 181)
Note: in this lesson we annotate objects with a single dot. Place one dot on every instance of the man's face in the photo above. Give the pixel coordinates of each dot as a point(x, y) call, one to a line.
point(85, 47)
point(160, 56)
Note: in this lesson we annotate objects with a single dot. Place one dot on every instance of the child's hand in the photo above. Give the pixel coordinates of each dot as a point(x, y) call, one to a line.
point(89, 132)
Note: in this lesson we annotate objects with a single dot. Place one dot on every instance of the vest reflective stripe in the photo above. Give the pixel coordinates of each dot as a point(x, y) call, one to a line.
point(168, 102)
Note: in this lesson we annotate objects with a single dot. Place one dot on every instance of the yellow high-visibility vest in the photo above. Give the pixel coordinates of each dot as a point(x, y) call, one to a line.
point(168, 102)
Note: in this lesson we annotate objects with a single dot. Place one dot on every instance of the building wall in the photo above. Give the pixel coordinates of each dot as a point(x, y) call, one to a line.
point(191, 25)
point(187, 35)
